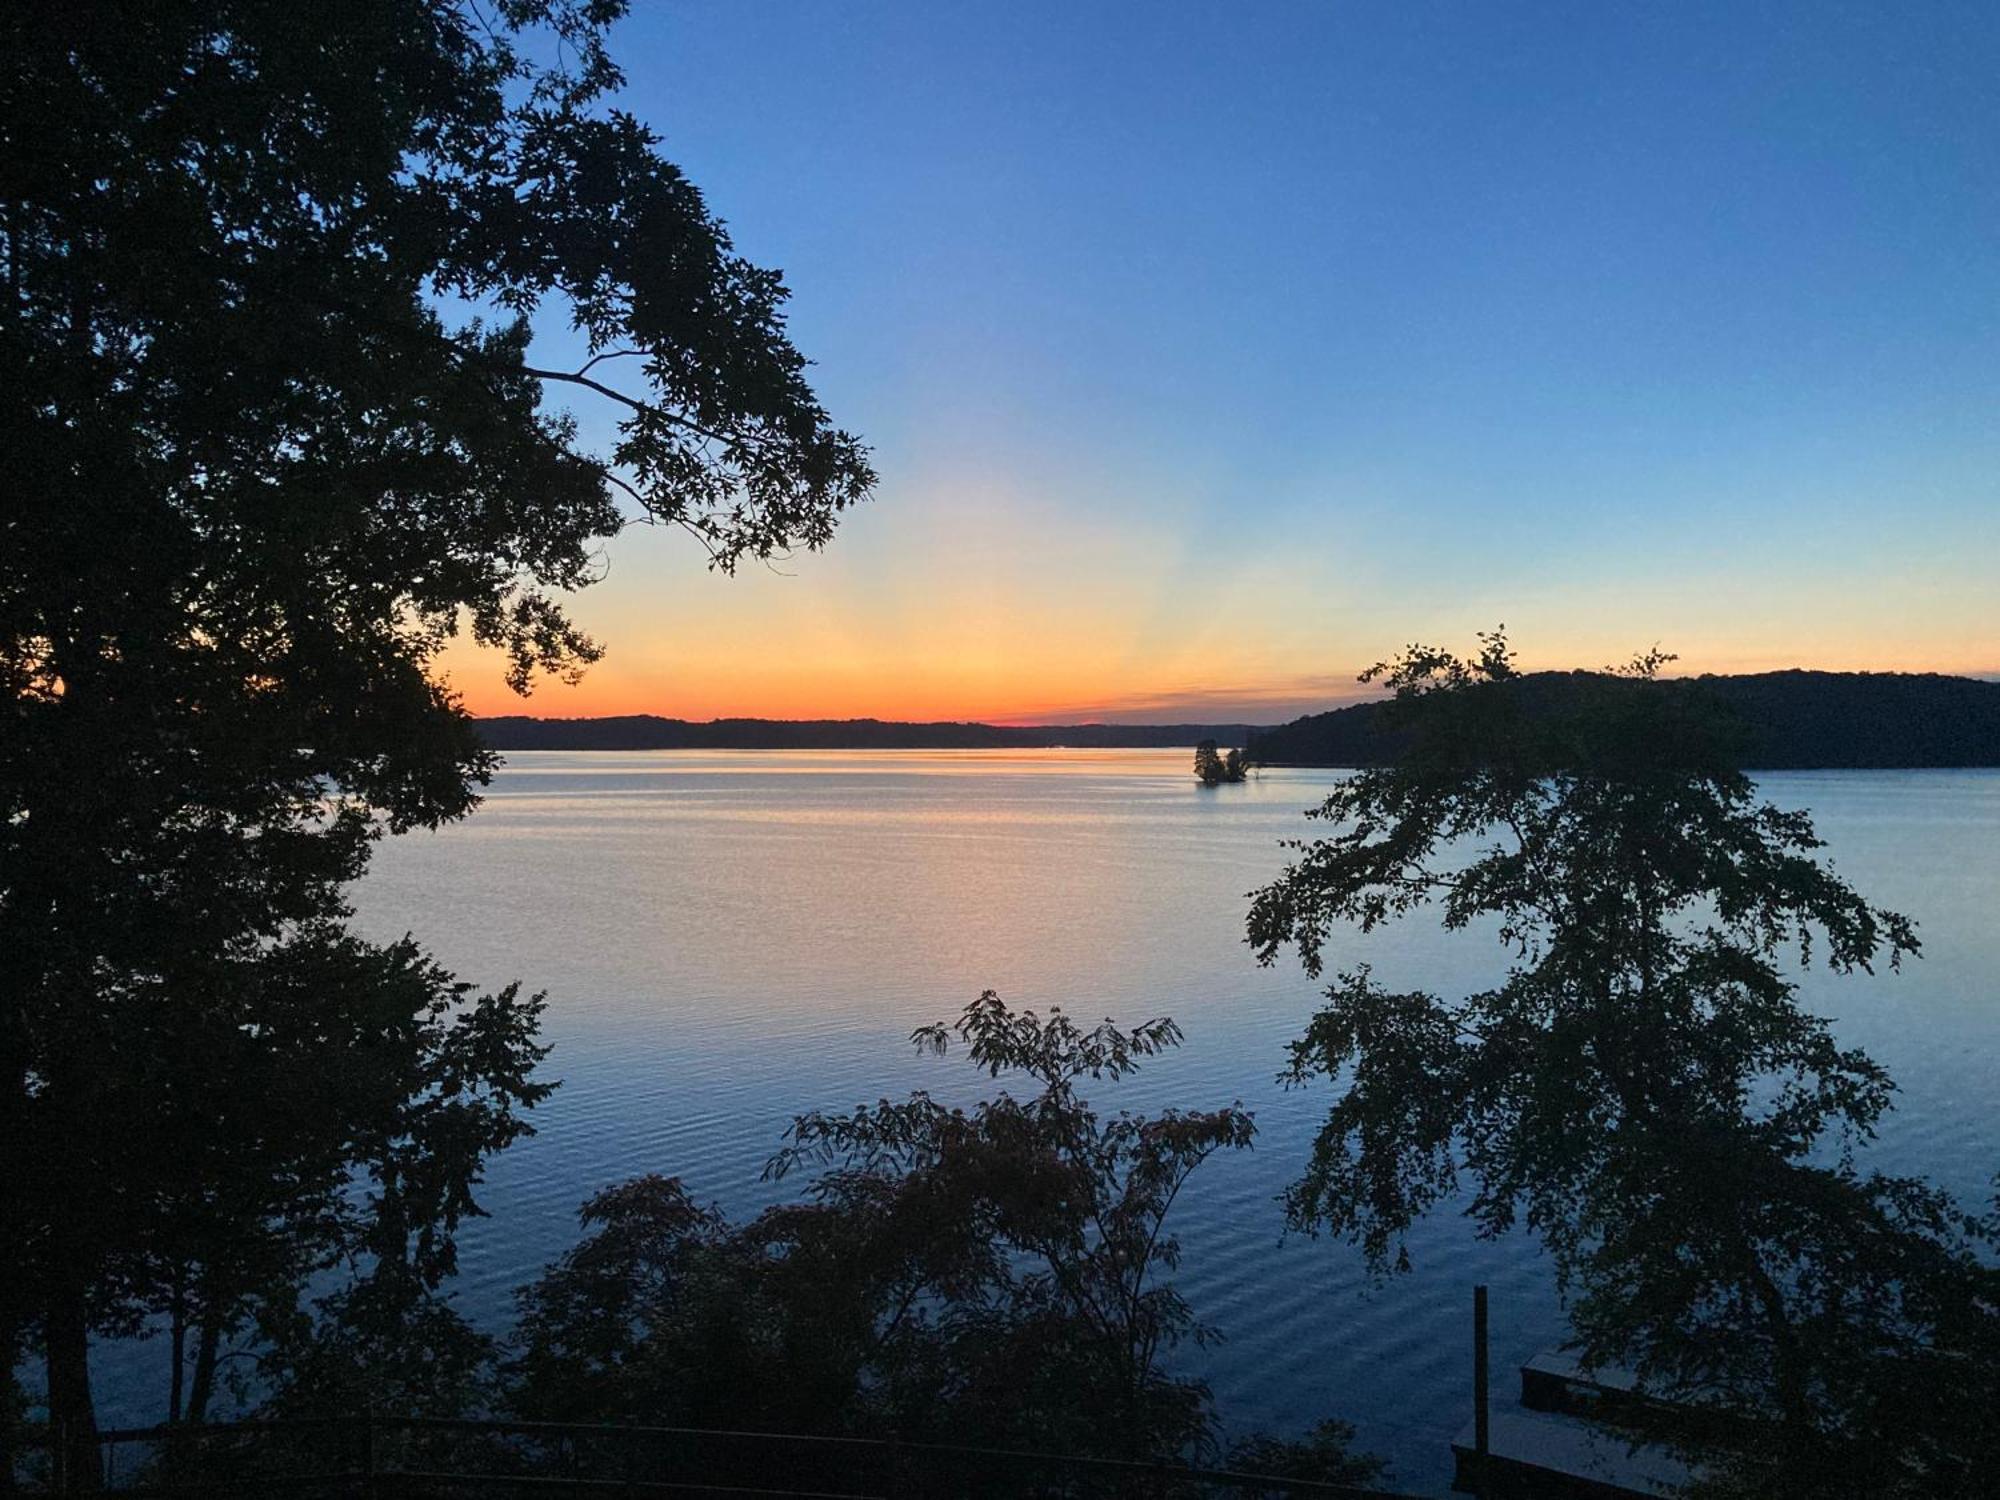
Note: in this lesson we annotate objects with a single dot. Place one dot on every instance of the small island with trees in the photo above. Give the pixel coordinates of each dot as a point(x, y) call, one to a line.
point(1214, 767)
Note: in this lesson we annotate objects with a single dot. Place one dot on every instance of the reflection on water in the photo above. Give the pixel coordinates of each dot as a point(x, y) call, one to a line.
point(730, 938)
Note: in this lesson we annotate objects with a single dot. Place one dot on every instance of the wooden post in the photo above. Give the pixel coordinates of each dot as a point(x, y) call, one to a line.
point(1481, 1435)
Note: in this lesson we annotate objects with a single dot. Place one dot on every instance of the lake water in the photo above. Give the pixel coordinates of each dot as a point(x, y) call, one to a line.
point(728, 939)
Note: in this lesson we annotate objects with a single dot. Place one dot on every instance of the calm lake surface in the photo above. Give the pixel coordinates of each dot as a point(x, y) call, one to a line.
point(728, 939)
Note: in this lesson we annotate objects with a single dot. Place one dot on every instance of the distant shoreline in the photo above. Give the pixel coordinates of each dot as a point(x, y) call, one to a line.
point(1792, 721)
point(650, 732)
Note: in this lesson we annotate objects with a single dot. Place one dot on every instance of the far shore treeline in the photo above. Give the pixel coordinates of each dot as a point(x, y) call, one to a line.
point(649, 732)
point(1788, 720)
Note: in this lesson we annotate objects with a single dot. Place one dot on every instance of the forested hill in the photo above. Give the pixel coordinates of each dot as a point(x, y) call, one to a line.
point(1791, 720)
point(647, 732)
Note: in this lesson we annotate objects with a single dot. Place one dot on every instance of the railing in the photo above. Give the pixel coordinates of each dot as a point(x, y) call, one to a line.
point(378, 1457)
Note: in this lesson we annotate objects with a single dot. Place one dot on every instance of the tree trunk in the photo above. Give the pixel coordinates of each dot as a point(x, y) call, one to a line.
point(178, 1378)
point(66, 1330)
point(10, 1358)
point(204, 1371)
point(18, 1293)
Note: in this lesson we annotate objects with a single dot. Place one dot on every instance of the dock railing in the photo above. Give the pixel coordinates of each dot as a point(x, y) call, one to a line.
point(382, 1457)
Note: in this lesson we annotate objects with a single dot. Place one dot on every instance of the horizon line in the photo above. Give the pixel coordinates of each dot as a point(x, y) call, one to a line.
point(1168, 718)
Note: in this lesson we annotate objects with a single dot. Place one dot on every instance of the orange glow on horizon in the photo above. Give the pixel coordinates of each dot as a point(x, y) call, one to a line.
point(1024, 695)
point(967, 597)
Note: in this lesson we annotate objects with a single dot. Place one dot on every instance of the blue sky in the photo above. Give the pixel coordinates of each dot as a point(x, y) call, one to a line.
point(1211, 352)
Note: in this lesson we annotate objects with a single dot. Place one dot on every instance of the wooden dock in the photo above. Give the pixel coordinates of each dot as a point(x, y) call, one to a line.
point(1546, 1449)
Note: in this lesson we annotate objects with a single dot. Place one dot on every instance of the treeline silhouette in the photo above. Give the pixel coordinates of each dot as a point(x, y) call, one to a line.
point(650, 732)
point(1792, 720)
point(1784, 721)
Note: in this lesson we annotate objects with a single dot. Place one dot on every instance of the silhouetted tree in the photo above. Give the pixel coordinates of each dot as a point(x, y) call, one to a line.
point(1642, 1085)
point(253, 1110)
point(333, 1108)
point(273, 435)
point(991, 1275)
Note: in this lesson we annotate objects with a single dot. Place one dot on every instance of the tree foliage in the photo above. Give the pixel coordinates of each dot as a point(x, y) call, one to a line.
point(992, 1275)
point(330, 1104)
point(274, 435)
point(1325, 1455)
point(1642, 1087)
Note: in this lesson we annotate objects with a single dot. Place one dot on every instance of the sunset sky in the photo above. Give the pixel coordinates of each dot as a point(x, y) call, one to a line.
point(1209, 352)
